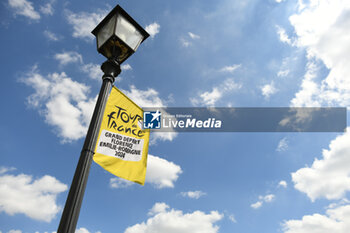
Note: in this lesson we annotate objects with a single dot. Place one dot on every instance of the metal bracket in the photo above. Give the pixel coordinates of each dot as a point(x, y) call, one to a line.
point(111, 69)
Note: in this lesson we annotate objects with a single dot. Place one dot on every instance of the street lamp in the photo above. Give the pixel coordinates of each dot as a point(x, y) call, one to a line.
point(118, 36)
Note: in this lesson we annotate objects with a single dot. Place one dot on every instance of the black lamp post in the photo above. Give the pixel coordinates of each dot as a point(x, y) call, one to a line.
point(118, 36)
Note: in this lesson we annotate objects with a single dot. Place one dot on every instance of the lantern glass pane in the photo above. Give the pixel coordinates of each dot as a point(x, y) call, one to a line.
point(128, 33)
point(106, 31)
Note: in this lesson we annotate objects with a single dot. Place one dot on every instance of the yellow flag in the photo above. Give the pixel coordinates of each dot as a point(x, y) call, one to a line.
point(122, 144)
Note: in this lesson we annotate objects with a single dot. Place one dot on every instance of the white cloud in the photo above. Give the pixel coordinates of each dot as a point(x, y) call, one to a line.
point(279, 1)
point(229, 85)
point(322, 27)
point(298, 116)
point(342, 202)
point(193, 36)
point(283, 73)
point(83, 23)
point(185, 40)
point(267, 198)
point(162, 136)
point(117, 182)
point(336, 220)
point(159, 207)
point(256, 205)
point(285, 67)
point(93, 71)
point(185, 43)
point(63, 102)
point(282, 145)
point(307, 95)
point(282, 183)
point(232, 218)
point(36, 199)
point(51, 36)
point(147, 98)
point(6, 169)
point(160, 173)
point(268, 90)
point(230, 69)
point(153, 29)
point(126, 67)
point(24, 8)
point(81, 230)
point(283, 36)
point(68, 57)
point(171, 220)
point(14, 231)
point(150, 98)
point(209, 98)
point(328, 177)
point(193, 194)
point(47, 9)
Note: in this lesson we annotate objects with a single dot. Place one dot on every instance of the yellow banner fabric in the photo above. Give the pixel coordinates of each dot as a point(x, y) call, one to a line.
point(122, 144)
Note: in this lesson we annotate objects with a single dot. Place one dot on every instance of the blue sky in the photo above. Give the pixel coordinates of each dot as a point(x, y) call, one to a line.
point(272, 53)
